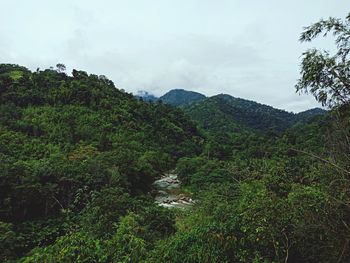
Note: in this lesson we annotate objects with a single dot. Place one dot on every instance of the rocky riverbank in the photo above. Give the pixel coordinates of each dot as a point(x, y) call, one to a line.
point(168, 192)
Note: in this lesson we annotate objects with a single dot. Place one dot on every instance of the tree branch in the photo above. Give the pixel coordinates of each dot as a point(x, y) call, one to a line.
point(321, 159)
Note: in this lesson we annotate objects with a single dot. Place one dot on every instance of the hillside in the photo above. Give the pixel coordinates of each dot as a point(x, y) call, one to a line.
point(307, 115)
point(75, 151)
point(224, 112)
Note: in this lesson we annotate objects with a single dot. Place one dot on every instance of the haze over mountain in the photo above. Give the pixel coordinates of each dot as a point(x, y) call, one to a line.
point(146, 96)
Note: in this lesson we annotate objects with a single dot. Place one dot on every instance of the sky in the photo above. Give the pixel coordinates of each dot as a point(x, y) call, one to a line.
point(245, 48)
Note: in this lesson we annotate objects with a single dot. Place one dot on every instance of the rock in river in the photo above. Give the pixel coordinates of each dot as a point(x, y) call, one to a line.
point(169, 192)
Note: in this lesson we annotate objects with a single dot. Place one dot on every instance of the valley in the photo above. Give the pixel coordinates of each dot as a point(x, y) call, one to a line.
point(92, 173)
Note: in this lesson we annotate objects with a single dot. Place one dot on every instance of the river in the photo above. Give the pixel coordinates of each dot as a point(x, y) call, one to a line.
point(169, 192)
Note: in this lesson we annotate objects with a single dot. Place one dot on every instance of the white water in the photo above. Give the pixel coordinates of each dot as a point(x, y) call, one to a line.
point(169, 193)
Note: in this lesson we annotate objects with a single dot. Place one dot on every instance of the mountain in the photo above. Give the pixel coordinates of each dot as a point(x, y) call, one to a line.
point(225, 112)
point(181, 97)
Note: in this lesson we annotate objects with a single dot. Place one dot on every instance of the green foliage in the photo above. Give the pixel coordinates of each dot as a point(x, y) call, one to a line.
point(7, 241)
point(277, 201)
point(76, 154)
point(226, 114)
point(200, 244)
point(103, 211)
point(127, 244)
point(73, 247)
point(200, 172)
point(78, 158)
point(324, 75)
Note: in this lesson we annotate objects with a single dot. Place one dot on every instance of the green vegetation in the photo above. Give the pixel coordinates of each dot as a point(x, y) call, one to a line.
point(224, 113)
point(78, 158)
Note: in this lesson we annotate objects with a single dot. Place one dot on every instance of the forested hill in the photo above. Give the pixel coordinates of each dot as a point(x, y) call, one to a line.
point(305, 116)
point(75, 152)
point(223, 111)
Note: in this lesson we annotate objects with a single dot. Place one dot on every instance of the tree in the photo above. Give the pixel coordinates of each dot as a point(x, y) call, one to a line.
point(127, 245)
point(60, 67)
point(327, 76)
point(7, 241)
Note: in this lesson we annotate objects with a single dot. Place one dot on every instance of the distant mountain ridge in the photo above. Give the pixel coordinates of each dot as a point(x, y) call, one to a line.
point(306, 115)
point(221, 111)
point(248, 113)
point(224, 111)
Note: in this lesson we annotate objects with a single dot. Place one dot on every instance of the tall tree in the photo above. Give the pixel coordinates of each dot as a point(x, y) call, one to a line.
point(325, 75)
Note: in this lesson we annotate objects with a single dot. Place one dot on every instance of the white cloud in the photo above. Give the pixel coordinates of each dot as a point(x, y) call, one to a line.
point(248, 49)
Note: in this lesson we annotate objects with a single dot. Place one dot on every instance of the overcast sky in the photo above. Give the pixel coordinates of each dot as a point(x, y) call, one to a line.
point(245, 48)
